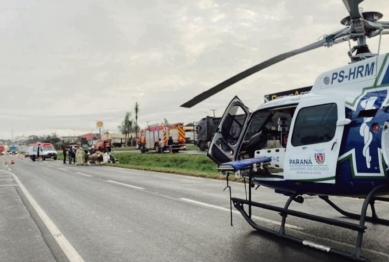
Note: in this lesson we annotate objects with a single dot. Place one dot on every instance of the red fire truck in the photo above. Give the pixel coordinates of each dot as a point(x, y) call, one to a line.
point(2, 149)
point(149, 137)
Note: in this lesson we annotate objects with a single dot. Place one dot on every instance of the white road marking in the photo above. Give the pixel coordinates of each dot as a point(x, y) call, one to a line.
point(8, 185)
point(9, 169)
point(62, 169)
point(83, 174)
point(67, 248)
point(237, 212)
point(123, 184)
point(346, 244)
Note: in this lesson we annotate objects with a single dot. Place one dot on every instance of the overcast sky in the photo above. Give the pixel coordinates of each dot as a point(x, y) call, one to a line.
point(67, 64)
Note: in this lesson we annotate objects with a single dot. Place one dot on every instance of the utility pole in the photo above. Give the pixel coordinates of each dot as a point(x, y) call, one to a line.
point(213, 112)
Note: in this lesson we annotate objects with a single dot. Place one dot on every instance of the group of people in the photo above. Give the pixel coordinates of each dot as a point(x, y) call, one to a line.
point(77, 155)
point(162, 145)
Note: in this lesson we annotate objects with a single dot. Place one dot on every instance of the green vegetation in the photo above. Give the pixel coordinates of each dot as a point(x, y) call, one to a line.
point(192, 147)
point(126, 148)
point(191, 165)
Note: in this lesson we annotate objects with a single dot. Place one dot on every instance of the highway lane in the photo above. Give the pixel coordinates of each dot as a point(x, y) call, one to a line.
point(130, 215)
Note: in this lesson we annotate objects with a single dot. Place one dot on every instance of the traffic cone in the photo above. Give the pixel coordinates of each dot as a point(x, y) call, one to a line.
point(12, 161)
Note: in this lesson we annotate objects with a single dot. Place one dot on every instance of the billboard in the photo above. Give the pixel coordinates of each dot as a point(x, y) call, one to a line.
point(291, 92)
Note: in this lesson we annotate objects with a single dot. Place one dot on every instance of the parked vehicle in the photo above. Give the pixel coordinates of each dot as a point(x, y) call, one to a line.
point(190, 134)
point(205, 129)
point(149, 137)
point(104, 145)
point(2, 149)
point(46, 150)
point(13, 149)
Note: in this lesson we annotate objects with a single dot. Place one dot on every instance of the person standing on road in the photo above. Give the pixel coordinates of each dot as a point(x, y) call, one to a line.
point(64, 151)
point(38, 150)
point(170, 144)
point(80, 156)
point(161, 146)
point(72, 154)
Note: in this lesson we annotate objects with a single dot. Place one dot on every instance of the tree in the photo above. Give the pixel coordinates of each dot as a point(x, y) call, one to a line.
point(136, 119)
point(126, 127)
point(165, 122)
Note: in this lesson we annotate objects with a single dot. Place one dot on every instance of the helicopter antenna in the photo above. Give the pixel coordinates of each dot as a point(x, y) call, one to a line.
point(359, 26)
point(379, 43)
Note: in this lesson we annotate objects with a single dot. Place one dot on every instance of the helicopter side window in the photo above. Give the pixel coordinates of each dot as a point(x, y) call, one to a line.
point(233, 124)
point(316, 124)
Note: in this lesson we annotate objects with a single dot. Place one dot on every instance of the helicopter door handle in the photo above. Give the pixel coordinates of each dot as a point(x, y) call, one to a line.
point(333, 145)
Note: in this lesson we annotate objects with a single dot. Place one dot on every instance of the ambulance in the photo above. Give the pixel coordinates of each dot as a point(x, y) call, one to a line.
point(46, 151)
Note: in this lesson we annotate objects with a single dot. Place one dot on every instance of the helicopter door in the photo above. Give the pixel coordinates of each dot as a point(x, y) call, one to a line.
point(313, 147)
point(225, 142)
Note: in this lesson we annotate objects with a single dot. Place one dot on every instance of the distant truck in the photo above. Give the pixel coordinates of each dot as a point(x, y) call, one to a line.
point(206, 126)
point(149, 137)
point(205, 129)
point(190, 134)
point(13, 149)
point(104, 145)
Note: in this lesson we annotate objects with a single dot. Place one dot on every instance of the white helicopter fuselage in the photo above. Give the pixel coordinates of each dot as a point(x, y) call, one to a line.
point(358, 87)
point(337, 134)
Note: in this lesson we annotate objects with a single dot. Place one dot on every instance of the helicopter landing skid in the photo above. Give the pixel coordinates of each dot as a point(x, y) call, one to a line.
point(373, 219)
point(285, 211)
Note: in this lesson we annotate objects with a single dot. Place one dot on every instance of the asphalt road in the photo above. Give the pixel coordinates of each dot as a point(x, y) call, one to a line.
point(53, 212)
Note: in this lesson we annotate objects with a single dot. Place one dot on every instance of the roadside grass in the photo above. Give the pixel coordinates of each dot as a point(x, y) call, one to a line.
point(191, 147)
point(126, 148)
point(129, 148)
point(183, 164)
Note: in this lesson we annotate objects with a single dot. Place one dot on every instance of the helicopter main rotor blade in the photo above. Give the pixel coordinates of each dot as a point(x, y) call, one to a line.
point(210, 92)
point(353, 8)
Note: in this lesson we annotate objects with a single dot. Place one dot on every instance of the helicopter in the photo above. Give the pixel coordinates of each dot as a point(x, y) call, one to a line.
point(333, 141)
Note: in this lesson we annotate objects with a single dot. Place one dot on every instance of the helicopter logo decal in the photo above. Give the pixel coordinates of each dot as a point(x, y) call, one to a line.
point(365, 130)
point(362, 146)
point(320, 158)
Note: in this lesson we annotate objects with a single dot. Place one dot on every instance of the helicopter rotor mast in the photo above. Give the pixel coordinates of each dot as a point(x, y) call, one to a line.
point(359, 26)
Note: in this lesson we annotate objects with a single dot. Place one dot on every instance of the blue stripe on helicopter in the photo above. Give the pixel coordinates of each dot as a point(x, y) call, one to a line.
point(385, 80)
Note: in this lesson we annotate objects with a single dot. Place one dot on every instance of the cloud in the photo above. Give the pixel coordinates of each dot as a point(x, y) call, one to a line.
point(66, 65)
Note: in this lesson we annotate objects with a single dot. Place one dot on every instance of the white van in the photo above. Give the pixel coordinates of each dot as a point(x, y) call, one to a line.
point(47, 150)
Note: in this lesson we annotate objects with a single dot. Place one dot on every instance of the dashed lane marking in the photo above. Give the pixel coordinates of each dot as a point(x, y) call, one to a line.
point(123, 184)
point(269, 221)
point(83, 174)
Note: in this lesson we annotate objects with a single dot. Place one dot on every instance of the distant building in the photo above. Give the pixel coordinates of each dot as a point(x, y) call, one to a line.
point(69, 139)
point(92, 138)
point(118, 139)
